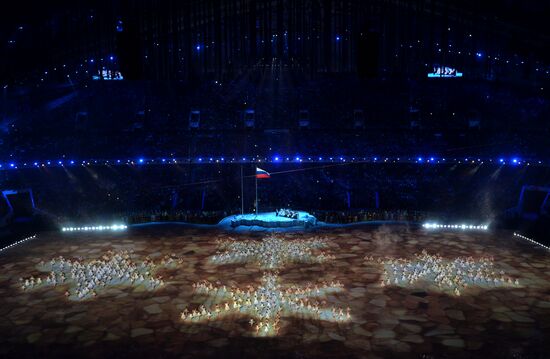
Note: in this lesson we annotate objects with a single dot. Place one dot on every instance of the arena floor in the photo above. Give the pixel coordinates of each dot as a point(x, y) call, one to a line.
point(386, 320)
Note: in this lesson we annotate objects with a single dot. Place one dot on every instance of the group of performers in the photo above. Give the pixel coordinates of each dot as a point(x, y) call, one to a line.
point(454, 275)
point(85, 279)
point(272, 252)
point(288, 213)
point(266, 303)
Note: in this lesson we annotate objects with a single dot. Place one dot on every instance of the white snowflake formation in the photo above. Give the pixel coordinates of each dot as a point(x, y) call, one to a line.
point(449, 275)
point(86, 279)
point(267, 303)
point(272, 252)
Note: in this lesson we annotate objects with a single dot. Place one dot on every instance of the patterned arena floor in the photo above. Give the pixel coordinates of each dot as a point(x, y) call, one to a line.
point(372, 308)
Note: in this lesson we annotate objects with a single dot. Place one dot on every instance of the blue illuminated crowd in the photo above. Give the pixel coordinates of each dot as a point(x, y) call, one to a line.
point(125, 150)
point(125, 120)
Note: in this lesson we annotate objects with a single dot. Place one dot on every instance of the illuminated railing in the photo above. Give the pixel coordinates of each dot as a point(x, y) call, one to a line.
point(532, 241)
point(17, 243)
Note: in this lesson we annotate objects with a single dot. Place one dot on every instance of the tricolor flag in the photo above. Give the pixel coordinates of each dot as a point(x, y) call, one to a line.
point(260, 173)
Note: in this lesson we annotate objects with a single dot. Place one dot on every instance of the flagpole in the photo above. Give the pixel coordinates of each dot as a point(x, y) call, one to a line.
point(242, 191)
point(256, 195)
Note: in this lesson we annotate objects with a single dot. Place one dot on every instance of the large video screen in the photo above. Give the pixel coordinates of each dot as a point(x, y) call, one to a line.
point(444, 71)
point(108, 75)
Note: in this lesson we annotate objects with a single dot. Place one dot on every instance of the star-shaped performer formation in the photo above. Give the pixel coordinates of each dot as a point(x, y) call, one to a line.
point(85, 280)
point(451, 275)
point(272, 252)
point(267, 303)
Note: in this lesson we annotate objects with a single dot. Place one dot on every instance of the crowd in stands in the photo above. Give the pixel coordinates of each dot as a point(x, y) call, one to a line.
point(128, 120)
point(207, 193)
point(131, 120)
point(187, 216)
point(344, 217)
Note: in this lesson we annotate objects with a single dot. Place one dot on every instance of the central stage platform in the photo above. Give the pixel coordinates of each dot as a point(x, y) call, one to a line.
point(268, 220)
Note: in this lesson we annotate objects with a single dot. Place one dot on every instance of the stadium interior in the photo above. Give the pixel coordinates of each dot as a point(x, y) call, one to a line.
point(275, 179)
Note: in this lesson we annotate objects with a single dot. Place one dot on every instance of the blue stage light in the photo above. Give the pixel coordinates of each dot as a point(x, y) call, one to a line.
point(337, 38)
point(198, 47)
point(277, 158)
point(92, 61)
point(111, 57)
point(479, 54)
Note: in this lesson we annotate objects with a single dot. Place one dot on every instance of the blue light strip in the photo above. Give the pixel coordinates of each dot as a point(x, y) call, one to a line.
point(274, 159)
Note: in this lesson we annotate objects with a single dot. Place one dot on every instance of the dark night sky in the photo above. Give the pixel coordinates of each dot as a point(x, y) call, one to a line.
point(44, 38)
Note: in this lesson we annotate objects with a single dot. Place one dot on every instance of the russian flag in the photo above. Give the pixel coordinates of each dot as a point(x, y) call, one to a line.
point(260, 173)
